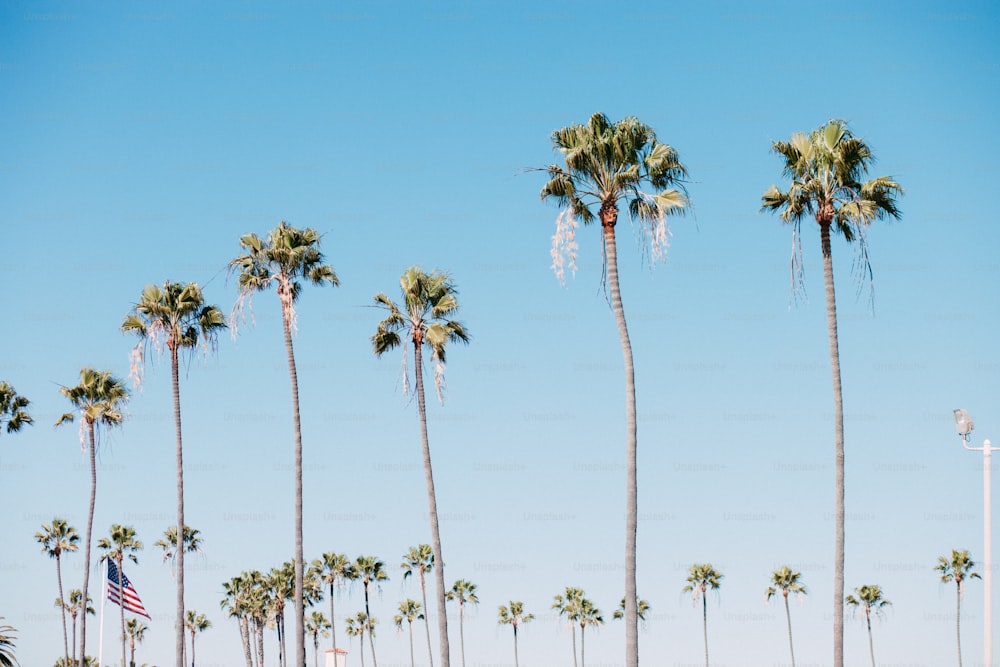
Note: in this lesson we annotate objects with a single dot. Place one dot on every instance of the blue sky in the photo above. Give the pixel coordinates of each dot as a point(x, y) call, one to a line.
point(141, 141)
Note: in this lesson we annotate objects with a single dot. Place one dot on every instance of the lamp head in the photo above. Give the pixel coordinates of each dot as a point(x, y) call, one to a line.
point(963, 423)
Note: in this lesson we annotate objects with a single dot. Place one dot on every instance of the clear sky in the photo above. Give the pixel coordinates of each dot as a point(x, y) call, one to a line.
point(139, 141)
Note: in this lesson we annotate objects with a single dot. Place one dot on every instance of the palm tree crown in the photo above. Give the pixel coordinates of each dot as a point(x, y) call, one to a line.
point(958, 567)
point(13, 408)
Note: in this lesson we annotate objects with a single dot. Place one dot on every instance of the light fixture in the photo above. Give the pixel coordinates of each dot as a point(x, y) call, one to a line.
point(963, 423)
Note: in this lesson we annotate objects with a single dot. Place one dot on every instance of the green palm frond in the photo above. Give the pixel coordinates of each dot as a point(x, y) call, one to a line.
point(13, 408)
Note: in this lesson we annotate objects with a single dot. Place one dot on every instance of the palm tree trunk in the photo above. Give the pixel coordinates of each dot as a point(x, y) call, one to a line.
point(245, 638)
point(413, 661)
point(432, 503)
point(121, 605)
point(333, 623)
point(838, 424)
point(62, 605)
point(86, 548)
point(316, 650)
point(361, 642)
point(300, 628)
point(73, 643)
point(515, 647)
point(131, 652)
point(179, 547)
point(788, 615)
point(368, 618)
point(609, 217)
point(260, 644)
point(958, 620)
point(427, 625)
point(461, 630)
point(871, 647)
point(572, 627)
point(582, 633)
point(192, 649)
point(704, 623)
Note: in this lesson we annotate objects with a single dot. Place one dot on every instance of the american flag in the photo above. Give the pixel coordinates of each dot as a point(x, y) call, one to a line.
point(132, 601)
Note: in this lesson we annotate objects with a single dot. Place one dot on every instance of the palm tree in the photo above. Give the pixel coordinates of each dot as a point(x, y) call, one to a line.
point(283, 259)
point(606, 163)
point(13, 408)
point(357, 627)
point(870, 597)
point(641, 608)
point(56, 538)
point(236, 603)
point(280, 585)
point(119, 545)
point(371, 571)
point(136, 631)
point(316, 625)
point(514, 616)
point(195, 623)
point(74, 605)
point(702, 577)
point(334, 570)
point(588, 614)
point(465, 592)
point(168, 543)
point(7, 657)
point(420, 559)
point(785, 581)
point(957, 568)
point(176, 317)
point(567, 604)
point(409, 610)
point(100, 397)
point(429, 300)
point(827, 168)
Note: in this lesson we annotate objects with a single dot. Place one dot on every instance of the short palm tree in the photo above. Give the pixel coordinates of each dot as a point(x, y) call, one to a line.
point(701, 578)
point(513, 615)
point(286, 257)
point(100, 397)
point(13, 408)
point(465, 592)
point(568, 604)
point(420, 559)
point(642, 607)
point(57, 538)
point(429, 302)
point(280, 586)
point(827, 168)
point(334, 570)
point(74, 605)
point(409, 611)
point(195, 623)
point(871, 599)
point(168, 543)
point(958, 567)
point(174, 317)
point(371, 572)
point(136, 631)
point(587, 615)
point(607, 163)
point(122, 543)
point(786, 581)
point(358, 626)
point(316, 625)
point(7, 639)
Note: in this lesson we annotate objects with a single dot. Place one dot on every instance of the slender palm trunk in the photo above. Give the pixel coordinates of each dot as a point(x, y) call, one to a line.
point(609, 217)
point(871, 647)
point(371, 635)
point(572, 627)
point(179, 546)
point(788, 615)
point(86, 548)
point(260, 643)
point(838, 424)
point(316, 650)
point(121, 605)
point(333, 623)
point(413, 661)
point(461, 630)
point(192, 648)
point(131, 652)
point(245, 638)
point(515, 647)
point(958, 619)
point(300, 628)
point(73, 643)
point(427, 625)
point(704, 623)
point(361, 642)
point(62, 603)
point(279, 625)
point(582, 633)
point(432, 503)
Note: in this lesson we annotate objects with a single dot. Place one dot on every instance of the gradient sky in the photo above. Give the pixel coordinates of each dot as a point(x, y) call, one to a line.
point(139, 141)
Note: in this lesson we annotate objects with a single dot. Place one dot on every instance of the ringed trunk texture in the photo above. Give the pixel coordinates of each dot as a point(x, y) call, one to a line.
point(432, 503)
point(838, 424)
point(609, 217)
point(179, 546)
point(86, 548)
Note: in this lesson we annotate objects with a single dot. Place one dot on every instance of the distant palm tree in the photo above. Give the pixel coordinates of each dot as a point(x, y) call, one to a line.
point(195, 623)
point(957, 568)
point(465, 592)
point(168, 543)
point(280, 585)
point(7, 638)
point(316, 625)
point(702, 577)
point(589, 615)
point(236, 603)
point(641, 608)
point(13, 408)
point(56, 538)
point(568, 605)
point(74, 605)
point(334, 570)
point(122, 543)
point(420, 559)
point(409, 611)
point(870, 597)
point(371, 572)
point(100, 397)
point(827, 167)
point(429, 301)
point(287, 256)
point(514, 616)
point(136, 631)
point(785, 581)
point(358, 626)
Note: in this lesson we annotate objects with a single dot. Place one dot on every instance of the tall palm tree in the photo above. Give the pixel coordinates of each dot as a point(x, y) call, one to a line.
point(420, 559)
point(56, 538)
point(136, 631)
point(465, 592)
point(641, 606)
point(286, 257)
point(168, 543)
point(827, 168)
point(567, 604)
point(429, 302)
point(371, 572)
point(588, 614)
point(13, 408)
point(514, 616)
point(785, 580)
point(334, 570)
point(409, 610)
point(74, 605)
point(871, 599)
point(702, 577)
point(606, 163)
point(358, 626)
point(958, 567)
point(174, 317)
point(195, 623)
point(7, 638)
point(316, 625)
point(121, 543)
point(100, 397)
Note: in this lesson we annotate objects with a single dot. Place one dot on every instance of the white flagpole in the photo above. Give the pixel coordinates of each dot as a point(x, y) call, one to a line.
point(104, 597)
